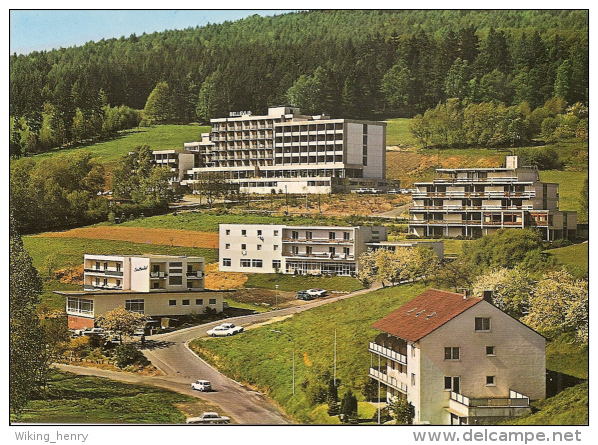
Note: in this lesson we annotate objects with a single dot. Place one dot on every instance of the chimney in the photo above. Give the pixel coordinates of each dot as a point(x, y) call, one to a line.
point(487, 295)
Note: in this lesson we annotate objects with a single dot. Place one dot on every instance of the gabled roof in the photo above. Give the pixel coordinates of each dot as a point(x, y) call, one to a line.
point(425, 313)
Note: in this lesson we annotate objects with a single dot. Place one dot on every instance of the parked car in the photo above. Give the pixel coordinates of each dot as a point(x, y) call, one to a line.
point(303, 295)
point(316, 292)
point(201, 385)
point(225, 330)
point(209, 417)
point(393, 191)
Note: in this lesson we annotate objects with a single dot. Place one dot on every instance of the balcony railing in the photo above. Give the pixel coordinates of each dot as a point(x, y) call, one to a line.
point(388, 381)
point(317, 240)
point(388, 353)
point(114, 272)
point(158, 274)
point(195, 274)
point(515, 399)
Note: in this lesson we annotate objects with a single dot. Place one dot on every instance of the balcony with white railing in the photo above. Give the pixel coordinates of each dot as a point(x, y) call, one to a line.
point(515, 404)
point(387, 353)
point(388, 380)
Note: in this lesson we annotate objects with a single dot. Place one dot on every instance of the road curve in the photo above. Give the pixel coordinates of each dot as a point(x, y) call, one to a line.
point(170, 353)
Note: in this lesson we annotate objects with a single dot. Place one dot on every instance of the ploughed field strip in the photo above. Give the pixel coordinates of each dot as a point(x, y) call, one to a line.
point(142, 235)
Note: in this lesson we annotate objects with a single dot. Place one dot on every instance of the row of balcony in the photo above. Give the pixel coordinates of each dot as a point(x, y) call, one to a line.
point(193, 274)
point(417, 207)
point(320, 255)
point(388, 380)
point(442, 222)
point(487, 180)
point(387, 353)
point(92, 287)
point(489, 194)
point(113, 272)
point(317, 240)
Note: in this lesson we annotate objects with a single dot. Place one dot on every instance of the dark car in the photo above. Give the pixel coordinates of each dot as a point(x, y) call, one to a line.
point(303, 295)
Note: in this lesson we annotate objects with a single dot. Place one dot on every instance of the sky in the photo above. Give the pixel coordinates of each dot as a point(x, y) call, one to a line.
point(38, 29)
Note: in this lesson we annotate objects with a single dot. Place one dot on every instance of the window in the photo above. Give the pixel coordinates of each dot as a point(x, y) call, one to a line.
point(276, 264)
point(275, 246)
point(105, 266)
point(97, 265)
point(309, 250)
point(175, 280)
point(227, 246)
point(452, 353)
point(332, 251)
point(347, 251)
point(118, 266)
point(80, 305)
point(243, 246)
point(136, 305)
point(482, 324)
point(294, 234)
point(226, 262)
point(308, 235)
point(199, 301)
point(331, 235)
point(244, 232)
point(276, 233)
point(212, 301)
point(490, 350)
point(256, 263)
point(105, 282)
point(97, 281)
point(185, 303)
point(490, 380)
point(412, 379)
point(259, 233)
point(117, 283)
point(227, 231)
point(171, 302)
point(245, 263)
point(259, 247)
point(452, 383)
point(295, 250)
point(346, 236)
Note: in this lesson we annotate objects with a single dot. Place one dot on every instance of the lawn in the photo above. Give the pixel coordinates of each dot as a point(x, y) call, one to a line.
point(160, 137)
point(293, 283)
point(72, 398)
point(570, 185)
point(263, 359)
point(397, 133)
point(574, 258)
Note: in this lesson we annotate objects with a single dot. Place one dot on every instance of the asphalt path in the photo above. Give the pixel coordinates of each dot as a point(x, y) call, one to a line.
point(170, 353)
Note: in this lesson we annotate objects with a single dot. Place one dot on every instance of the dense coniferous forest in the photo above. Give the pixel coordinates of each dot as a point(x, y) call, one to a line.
point(363, 64)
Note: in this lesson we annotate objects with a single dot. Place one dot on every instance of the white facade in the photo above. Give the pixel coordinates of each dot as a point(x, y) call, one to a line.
point(286, 149)
point(177, 161)
point(474, 364)
point(479, 201)
point(269, 248)
point(149, 273)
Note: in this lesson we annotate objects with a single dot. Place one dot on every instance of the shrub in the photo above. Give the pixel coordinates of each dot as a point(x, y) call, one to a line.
point(126, 355)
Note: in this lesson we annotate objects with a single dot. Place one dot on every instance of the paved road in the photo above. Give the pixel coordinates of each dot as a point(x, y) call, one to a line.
point(169, 352)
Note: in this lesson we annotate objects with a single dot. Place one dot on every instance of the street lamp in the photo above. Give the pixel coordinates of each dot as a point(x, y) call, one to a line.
point(293, 342)
point(276, 287)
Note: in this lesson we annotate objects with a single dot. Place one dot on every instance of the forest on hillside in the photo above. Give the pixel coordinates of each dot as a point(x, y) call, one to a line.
point(346, 63)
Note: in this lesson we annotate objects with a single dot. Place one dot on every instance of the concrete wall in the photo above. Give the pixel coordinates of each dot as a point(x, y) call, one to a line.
point(267, 250)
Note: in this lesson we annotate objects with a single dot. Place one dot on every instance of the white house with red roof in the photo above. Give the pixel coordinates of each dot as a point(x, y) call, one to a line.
point(458, 360)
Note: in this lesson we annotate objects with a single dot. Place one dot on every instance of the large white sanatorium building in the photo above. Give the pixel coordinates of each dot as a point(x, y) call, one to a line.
point(287, 152)
point(458, 360)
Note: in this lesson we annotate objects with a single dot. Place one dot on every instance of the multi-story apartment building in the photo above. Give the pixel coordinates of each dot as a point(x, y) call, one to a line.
point(268, 248)
point(478, 201)
point(154, 285)
point(147, 273)
point(287, 152)
point(458, 360)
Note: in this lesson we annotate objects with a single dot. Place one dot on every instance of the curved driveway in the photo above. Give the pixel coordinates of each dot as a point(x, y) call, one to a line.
point(169, 352)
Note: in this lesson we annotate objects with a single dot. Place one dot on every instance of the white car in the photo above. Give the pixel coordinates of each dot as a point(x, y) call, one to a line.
point(209, 417)
point(201, 385)
point(225, 330)
point(316, 292)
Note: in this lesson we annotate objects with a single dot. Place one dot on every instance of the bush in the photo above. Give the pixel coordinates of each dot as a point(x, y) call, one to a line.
point(127, 355)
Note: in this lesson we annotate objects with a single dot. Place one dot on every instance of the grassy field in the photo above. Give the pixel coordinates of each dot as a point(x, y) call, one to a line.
point(397, 133)
point(574, 258)
point(570, 185)
point(293, 283)
point(80, 399)
point(161, 137)
point(263, 359)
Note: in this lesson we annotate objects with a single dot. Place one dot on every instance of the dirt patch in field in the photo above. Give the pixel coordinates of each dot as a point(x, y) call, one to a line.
point(223, 280)
point(167, 237)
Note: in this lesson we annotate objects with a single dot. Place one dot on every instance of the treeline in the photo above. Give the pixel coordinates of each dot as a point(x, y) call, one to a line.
point(67, 191)
point(360, 64)
point(457, 123)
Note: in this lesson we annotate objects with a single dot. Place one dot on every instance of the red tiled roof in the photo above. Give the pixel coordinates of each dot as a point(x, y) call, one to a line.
point(424, 314)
